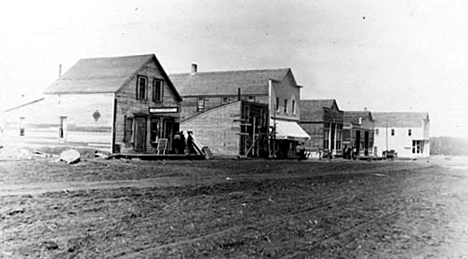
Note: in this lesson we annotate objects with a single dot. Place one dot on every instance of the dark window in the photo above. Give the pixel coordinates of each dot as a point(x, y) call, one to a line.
point(62, 127)
point(277, 104)
point(393, 132)
point(155, 130)
point(158, 86)
point(128, 136)
point(376, 131)
point(293, 106)
point(409, 132)
point(201, 104)
point(142, 84)
point(285, 106)
point(22, 126)
point(246, 112)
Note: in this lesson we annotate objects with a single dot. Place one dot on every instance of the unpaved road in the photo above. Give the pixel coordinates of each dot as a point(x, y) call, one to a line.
point(233, 209)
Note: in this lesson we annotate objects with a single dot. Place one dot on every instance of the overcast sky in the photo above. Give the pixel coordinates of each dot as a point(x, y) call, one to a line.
point(388, 55)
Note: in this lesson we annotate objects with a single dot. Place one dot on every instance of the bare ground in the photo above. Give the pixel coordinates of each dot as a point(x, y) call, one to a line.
point(233, 209)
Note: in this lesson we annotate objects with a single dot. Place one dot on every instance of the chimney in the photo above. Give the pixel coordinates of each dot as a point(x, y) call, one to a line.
point(194, 68)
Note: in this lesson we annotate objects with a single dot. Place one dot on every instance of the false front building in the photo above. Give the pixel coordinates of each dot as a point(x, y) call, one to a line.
point(117, 104)
point(323, 121)
point(275, 88)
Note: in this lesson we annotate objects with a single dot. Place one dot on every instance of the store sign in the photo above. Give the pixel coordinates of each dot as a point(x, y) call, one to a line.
point(164, 110)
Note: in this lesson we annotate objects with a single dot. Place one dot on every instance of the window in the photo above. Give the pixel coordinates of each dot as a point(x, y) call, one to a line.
point(22, 126)
point(263, 118)
point(417, 146)
point(409, 132)
point(293, 106)
point(142, 83)
point(158, 90)
point(246, 112)
point(62, 127)
point(155, 130)
point(128, 134)
point(201, 104)
point(326, 137)
point(393, 132)
point(376, 131)
point(277, 104)
point(251, 98)
point(225, 100)
point(285, 106)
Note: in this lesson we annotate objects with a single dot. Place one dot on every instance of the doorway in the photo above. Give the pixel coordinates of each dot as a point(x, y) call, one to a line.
point(140, 133)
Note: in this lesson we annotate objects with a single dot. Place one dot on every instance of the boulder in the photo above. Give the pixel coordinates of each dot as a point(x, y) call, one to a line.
point(70, 156)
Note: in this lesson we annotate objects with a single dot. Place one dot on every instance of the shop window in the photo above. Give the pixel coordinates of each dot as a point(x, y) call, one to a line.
point(142, 84)
point(417, 146)
point(158, 88)
point(201, 104)
point(22, 126)
point(128, 134)
point(155, 130)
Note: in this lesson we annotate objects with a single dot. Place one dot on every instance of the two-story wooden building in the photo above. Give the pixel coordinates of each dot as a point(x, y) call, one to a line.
point(358, 132)
point(407, 133)
point(276, 88)
point(116, 104)
point(323, 121)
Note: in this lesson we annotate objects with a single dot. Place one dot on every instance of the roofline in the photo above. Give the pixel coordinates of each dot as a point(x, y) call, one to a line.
point(228, 71)
point(24, 104)
point(151, 58)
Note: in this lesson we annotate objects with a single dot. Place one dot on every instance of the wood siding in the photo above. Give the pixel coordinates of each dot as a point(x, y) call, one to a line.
point(88, 122)
point(190, 103)
point(127, 106)
point(219, 128)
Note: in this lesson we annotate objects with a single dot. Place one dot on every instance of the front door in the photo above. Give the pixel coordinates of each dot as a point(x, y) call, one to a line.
point(140, 133)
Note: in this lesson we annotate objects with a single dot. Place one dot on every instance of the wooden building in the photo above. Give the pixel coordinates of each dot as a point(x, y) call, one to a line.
point(235, 129)
point(116, 104)
point(323, 121)
point(275, 88)
point(358, 132)
point(407, 133)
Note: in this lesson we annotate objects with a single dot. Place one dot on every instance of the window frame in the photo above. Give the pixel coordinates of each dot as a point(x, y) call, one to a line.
point(128, 130)
point(160, 92)
point(139, 95)
point(201, 104)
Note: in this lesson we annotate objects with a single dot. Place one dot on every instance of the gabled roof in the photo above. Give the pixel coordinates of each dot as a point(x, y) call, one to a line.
point(227, 82)
point(399, 119)
point(103, 75)
point(313, 110)
point(353, 116)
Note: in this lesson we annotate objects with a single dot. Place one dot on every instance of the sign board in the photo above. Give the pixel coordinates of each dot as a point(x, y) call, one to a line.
point(164, 110)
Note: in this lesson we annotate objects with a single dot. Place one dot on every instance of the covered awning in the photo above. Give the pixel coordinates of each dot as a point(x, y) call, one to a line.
point(290, 130)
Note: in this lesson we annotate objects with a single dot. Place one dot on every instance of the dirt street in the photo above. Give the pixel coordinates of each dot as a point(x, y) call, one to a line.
point(233, 209)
